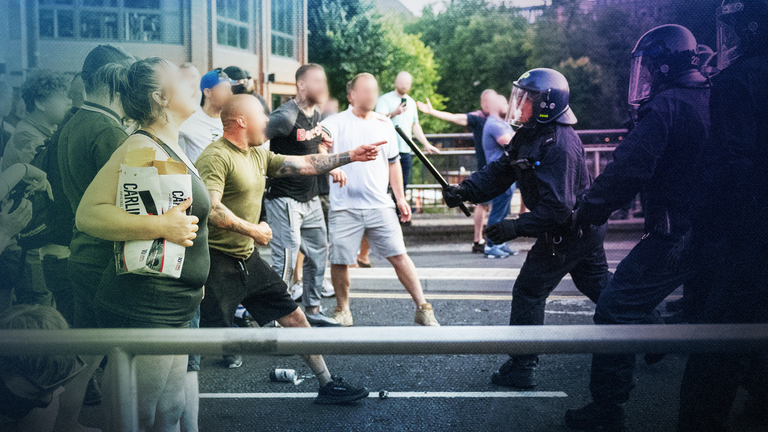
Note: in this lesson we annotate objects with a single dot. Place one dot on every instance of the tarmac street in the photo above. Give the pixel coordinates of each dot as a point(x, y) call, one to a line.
point(440, 393)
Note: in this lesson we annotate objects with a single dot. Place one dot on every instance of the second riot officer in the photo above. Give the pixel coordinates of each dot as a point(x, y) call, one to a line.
point(658, 156)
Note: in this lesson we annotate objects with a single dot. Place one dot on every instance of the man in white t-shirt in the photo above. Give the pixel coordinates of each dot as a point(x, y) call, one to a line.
point(363, 206)
point(204, 126)
point(401, 108)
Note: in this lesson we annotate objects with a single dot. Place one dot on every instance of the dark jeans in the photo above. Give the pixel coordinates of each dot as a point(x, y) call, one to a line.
point(58, 282)
point(584, 259)
point(25, 286)
point(642, 281)
point(500, 207)
point(406, 162)
point(737, 292)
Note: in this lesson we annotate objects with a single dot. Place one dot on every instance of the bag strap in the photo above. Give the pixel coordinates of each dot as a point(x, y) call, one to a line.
point(166, 148)
point(168, 151)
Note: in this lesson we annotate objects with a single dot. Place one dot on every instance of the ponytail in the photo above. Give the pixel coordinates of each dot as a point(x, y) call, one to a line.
point(141, 81)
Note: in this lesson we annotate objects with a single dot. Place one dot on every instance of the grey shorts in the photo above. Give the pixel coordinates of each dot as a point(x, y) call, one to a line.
point(380, 226)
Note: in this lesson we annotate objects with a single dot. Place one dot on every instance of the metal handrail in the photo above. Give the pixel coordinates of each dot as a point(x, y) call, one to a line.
point(121, 345)
point(578, 132)
point(393, 340)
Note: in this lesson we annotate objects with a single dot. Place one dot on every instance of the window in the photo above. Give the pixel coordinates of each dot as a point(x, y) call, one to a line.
point(158, 21)
point(233, 23)
point(284, 19)
point(279, 99)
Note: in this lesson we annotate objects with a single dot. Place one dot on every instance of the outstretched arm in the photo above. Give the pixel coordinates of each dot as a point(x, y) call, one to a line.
point(426, 108)
point(418, 132)
point(322, 163)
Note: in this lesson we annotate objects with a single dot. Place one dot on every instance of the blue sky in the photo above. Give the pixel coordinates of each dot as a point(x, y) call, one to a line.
point(417, 5)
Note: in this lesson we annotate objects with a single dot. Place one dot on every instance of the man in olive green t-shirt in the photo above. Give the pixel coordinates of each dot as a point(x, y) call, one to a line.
point(235, 169)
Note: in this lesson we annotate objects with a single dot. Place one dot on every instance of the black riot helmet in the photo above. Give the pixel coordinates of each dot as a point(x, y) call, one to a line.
point(661, 57)
point(742, 27)
point(547, 91)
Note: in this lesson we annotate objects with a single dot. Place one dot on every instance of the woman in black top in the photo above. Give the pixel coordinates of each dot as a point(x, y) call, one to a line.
point(159, 99)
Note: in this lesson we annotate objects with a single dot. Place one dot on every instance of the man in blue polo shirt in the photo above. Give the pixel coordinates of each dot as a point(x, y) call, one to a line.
point(475, 122)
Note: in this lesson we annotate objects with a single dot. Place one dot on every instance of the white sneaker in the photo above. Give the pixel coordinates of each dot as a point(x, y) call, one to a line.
point(296, 290)
point(343, 317)
point(425, 316)
point(328, 290)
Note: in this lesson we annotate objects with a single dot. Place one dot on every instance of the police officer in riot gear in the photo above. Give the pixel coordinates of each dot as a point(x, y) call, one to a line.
point(729, 245)
point(547, 160)
point(658, 156)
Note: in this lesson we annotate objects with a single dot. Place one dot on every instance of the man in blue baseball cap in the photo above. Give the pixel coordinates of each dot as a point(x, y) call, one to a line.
point(204, 126)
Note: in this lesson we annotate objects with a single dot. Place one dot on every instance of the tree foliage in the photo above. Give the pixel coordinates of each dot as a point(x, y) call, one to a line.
point(478, 46)
point(347, 37)
point(472, 45)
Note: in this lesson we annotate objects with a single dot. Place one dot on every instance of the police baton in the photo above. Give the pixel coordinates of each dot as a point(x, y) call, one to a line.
point(428, 164)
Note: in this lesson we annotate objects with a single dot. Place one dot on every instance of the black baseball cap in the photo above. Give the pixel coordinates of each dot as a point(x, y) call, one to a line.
point(237, 73)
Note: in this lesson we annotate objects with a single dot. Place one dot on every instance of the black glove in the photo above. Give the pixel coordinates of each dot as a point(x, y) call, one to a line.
point(454, 195)
point(501, 232)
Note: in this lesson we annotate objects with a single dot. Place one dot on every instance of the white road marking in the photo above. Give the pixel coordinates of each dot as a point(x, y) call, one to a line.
point(554, 312)
point(446, 395)
point(442, 273)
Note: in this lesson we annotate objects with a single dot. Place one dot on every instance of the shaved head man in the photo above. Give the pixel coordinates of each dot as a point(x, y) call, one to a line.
point(403, 83)
point(245, 116)
point(235, 168)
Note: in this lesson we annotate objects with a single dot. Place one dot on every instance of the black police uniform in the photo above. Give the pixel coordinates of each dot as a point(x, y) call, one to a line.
point(549, 164)
point(658, 155)
point(729, 245)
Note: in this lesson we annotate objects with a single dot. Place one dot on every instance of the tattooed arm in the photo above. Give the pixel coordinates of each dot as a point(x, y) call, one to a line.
point(322, 163)
point(223, 218)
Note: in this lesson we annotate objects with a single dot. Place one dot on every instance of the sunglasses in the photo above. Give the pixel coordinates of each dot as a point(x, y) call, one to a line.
point(43, 392)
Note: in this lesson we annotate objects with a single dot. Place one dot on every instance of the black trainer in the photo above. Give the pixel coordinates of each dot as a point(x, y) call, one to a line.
point(596, 416)
point(478, 247)
point(517, 374)
point(339, 392)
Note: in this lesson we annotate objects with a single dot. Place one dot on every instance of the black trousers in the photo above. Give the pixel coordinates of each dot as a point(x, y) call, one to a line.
point(584, 259)
point(642, 281)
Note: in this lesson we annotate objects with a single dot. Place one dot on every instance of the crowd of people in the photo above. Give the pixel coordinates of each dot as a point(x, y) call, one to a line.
point(320, 187)
point(257, 179)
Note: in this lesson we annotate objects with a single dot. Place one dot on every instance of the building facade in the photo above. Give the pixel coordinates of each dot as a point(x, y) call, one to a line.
point(266, 37)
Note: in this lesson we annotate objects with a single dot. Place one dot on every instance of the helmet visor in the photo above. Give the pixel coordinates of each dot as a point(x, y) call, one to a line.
point(728, 41)
point(517, 102)
point(640, 78)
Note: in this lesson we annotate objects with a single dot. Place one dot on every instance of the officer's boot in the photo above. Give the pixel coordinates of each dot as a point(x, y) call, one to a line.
point(517, 372)
point(603, 416)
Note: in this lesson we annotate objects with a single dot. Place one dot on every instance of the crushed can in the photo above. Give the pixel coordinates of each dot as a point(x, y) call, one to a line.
point(282, 375)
